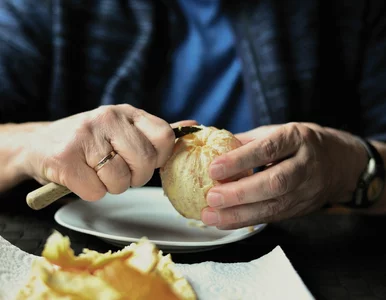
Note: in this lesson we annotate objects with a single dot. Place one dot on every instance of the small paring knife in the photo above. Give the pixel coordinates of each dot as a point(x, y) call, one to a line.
point(184, 130)
point(51, 192)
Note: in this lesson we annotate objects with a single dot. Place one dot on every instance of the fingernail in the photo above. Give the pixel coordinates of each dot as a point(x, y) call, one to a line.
point(215, 199)
point(217, 171)
point(209, 217)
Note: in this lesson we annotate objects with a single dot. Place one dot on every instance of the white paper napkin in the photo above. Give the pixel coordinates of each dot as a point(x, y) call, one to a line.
point(269, 277)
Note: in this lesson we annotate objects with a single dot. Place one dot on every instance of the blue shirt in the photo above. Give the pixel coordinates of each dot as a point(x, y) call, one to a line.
point(65, 57)
point(205, 80)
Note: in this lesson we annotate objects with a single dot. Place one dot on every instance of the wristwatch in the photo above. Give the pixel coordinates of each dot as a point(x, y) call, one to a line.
point(371, 182)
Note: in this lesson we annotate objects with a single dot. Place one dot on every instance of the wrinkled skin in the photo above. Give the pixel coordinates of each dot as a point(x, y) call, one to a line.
point(66, 151)
point(308, 166)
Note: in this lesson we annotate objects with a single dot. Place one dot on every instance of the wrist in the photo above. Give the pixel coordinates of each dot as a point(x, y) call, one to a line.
point(357, 165)
point(371, 182)
point(353, 162)
point(19, 140)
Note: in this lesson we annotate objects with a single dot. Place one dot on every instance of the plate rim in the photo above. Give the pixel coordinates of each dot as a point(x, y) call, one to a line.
point(250, 231)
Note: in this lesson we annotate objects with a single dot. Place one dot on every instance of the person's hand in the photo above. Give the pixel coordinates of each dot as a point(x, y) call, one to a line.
point(66, 151)
point(306, 166)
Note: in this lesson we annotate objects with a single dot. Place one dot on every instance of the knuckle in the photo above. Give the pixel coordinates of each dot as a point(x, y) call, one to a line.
point(312, 140)
point(137, 114)
point(96, 121)
point(125, 106)
point(236, 216)
point(284, 202)
point(269, 148)
point(239, 195)
point(306, 134)
point(295, 130)
point(241, 162)
point(273, 209)
point(278, 183)
point(303, 133)
point(86, 125)
point(298, 133)
point(294, 125)
point(107, 114)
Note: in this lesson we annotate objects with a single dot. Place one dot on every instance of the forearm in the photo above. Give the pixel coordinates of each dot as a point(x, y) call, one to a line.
point(13, 148)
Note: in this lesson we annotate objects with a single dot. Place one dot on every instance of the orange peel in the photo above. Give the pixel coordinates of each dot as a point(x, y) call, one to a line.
point(137, 272)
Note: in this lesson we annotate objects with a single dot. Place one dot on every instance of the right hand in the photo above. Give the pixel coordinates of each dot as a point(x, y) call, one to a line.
point(66, 151)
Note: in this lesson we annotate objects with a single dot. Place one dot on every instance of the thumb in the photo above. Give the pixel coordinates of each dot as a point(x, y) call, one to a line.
point(184, 123)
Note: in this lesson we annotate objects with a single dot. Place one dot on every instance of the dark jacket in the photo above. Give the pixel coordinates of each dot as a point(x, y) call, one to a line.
point(320, 61)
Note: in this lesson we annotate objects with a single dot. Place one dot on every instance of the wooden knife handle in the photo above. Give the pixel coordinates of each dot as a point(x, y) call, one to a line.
point(46, 195)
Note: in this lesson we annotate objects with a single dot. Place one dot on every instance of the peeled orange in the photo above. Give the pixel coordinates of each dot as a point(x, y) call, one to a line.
point(185, 176)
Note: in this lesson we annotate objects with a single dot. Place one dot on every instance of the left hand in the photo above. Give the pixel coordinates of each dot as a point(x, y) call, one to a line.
point(309, 166)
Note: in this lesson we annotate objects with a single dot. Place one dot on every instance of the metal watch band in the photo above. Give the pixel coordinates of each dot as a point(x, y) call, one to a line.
point(371, 179)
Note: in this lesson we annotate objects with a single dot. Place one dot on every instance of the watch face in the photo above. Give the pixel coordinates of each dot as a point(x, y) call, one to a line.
point(375, 189)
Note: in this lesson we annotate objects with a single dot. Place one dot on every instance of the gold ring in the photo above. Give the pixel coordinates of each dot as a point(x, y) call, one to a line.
point(105, 160)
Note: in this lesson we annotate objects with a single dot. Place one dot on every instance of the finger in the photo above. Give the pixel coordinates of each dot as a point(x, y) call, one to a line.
point(137, 152)
point(95, 147)
point(158, 132)
point(299, 210)
point(268, 211)
point(81, 178)
point(273, 182)
point(257, 133)
point(237, 176)
point(83, 181)
point(281, 143)
point(128, 141)
point(73, 166)
point(184, 123)
point(115, 175)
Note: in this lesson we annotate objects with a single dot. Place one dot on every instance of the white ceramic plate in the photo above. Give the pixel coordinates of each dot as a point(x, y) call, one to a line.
point(145, 212)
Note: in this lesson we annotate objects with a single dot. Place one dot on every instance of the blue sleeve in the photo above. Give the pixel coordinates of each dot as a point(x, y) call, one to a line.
point(25, 32)
point(372, 87)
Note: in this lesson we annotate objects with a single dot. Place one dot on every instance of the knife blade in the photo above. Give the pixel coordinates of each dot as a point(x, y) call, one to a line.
point(184, 130)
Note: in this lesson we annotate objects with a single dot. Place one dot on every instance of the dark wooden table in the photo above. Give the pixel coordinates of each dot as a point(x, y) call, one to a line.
point(337, 256)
